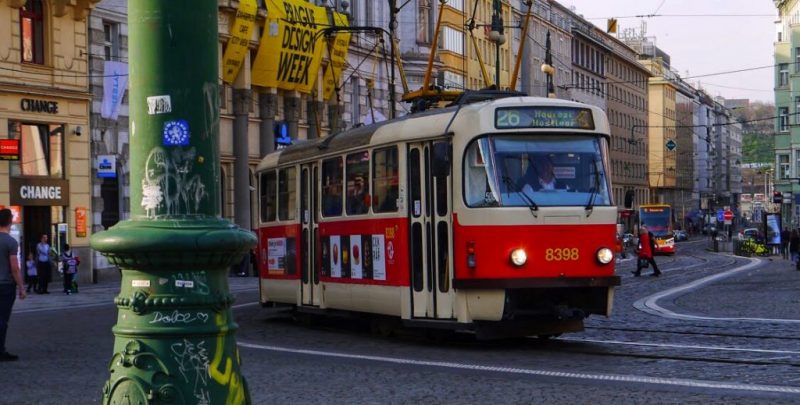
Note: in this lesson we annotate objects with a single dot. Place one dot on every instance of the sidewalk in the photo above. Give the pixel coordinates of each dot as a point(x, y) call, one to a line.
point(102, 293)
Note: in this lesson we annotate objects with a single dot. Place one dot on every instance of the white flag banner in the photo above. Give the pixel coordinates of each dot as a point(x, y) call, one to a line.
point(115, 81)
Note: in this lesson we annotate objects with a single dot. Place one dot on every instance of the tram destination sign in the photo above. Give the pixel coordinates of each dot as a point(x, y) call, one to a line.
point(543, 117)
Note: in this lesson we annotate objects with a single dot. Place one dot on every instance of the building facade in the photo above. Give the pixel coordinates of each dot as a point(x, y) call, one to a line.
point(787, 105)
point(45, 102)
point(108, 45)
point(628, 115)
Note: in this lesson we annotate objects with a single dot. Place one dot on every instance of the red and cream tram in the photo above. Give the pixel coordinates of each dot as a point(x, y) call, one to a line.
point(494, 217)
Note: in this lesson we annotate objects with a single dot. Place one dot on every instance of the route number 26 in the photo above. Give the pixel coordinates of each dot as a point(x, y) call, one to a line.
point(508, 118)
point(559, 254)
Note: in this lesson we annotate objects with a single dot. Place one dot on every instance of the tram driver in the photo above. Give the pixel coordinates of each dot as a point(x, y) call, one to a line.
point(540, 176)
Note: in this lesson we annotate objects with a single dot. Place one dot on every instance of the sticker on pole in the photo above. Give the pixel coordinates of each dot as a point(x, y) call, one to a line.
point(159, 105)
point(140, 283)
point(176, 133)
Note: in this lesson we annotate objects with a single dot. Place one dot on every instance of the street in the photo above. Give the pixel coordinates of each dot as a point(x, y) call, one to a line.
point(713, 329)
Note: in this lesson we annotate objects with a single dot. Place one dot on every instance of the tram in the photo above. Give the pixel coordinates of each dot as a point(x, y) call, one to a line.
point(493, 217)
point(658, 220)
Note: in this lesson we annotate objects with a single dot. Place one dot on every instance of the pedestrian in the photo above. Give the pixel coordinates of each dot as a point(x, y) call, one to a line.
point(43, 263)
point(794, 247)
point(785, 239)
point(10, 280)
point(70, 264)
point(647, 247)
point(30, 273)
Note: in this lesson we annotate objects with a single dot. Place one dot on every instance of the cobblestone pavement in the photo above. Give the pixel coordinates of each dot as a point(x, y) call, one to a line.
point(645, 353)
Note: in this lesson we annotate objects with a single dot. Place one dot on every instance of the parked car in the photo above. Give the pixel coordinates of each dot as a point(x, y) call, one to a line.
point(750, 233)
point(681, 235)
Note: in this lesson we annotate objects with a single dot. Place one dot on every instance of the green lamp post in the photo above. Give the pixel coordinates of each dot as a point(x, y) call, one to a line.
point(174, 337)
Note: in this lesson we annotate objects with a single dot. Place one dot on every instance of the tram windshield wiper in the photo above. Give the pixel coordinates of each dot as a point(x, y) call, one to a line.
point(528, 200)
point(594, 189)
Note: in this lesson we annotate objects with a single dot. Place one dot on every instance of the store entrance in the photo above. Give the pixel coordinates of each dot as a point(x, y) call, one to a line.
point(36, 221)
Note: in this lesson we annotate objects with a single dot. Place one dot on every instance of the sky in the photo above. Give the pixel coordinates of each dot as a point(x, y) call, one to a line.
point(703, 45)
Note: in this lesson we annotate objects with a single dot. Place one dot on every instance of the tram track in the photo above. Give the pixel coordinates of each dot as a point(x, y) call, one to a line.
point(595, 348)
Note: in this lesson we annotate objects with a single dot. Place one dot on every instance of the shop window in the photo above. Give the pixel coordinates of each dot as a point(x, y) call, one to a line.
point(385, 179)
point(358, 197)
point(287, 193)
point(41, 149)
point(268, 197)
point(332, 187)
point(31, 20)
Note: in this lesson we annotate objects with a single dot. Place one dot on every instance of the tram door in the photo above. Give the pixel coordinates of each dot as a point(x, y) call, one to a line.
point(310, 291)
point(429, 203)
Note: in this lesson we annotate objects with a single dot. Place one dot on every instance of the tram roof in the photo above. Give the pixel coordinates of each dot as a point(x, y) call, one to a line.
point(435, 123)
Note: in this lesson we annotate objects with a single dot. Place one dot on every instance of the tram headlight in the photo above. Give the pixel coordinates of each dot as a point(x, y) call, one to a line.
point(605, 255)
point(519, 257)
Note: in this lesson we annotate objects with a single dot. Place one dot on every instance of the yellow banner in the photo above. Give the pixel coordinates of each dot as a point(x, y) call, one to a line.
point(333, 72)
point(290, 52)
point(240, 39)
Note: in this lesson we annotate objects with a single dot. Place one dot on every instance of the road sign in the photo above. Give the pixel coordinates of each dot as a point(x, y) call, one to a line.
point(728, 216)
point(720, 216)
point(671, 145)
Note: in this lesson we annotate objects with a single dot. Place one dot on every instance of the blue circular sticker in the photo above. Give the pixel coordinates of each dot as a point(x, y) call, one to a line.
point(176, 133)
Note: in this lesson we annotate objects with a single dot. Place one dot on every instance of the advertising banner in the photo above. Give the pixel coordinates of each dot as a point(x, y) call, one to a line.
point(9, 149)
point(115, 81)
point(338, 55)
point(290, 52)
point(80, 222)
point(241, 33)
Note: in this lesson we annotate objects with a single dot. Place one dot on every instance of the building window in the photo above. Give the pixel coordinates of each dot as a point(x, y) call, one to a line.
point(111, 41)
point(797, 109)
point(31, 20)
point(424, 21)
point(453, 40)
point(456, 4)
point(783, 119)
point(783, 166)
point(41, 150)
point(783, 74)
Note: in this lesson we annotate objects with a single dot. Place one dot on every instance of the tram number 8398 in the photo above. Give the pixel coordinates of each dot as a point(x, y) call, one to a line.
point(561, 254)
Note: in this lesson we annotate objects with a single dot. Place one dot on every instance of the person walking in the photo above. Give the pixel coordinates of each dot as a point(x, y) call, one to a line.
point(794, 248)
point(647, 248)
point(43, 264)
point(10, 280)
point(31, 274)
point(70, 265)
point(785, 239)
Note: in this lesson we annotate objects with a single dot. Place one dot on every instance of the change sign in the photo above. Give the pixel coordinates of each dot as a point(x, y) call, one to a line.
point(290, 52)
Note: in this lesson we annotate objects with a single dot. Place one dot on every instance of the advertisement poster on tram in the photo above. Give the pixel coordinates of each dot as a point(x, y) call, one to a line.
point(378, 258)
point(276, 255)
point(335, 250)
point(356, 269)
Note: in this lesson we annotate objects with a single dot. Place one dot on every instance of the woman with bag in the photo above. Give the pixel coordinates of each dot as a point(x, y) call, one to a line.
point(647, 246)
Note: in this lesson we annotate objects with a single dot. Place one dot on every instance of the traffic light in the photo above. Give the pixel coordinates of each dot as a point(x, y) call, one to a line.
point(777, 197)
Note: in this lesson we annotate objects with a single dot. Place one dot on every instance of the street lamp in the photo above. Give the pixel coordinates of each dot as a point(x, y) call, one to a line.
point(496, 36)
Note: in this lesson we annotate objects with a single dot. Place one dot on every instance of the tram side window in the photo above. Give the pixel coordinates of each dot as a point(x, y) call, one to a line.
point(332, 187)
point(385, 179)
point(287, 193)
point(358, 198)
point(268, 196)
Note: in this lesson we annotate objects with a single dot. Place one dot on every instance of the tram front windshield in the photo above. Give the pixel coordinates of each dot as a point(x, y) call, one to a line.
point(535, 170)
